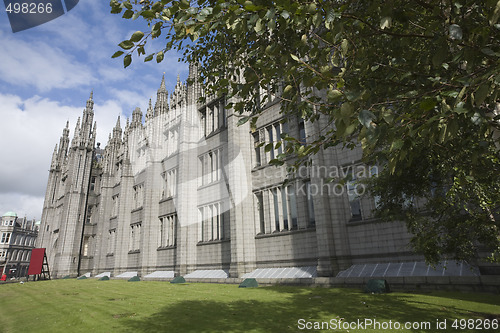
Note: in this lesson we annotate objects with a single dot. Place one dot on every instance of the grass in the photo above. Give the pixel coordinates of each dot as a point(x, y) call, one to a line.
point(147, 306)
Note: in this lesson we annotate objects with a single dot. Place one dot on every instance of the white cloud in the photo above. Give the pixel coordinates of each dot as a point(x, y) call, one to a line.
point(31, 128)
point(22, 204)
point(41, 65)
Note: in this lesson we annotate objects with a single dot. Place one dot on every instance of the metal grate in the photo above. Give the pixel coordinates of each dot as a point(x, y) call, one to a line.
point(414, 268)
point(283, 273)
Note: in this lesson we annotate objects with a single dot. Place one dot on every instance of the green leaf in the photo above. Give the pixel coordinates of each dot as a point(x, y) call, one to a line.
point(128, 14)
point(333, 94)
point(488, 51)
point(481, 93)
point(346, 110)
point(159, 57)
point(126, 45)
point(397, 144)
point(242, 121)
point(259, 26)
point(428, 104)
point(137, 36)
point(366, 118)
point(294, 57)
point(117, 54)
point(149, 58)
point(127, 60)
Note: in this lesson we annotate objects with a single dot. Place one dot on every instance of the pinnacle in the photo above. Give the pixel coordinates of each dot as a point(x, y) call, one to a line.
point(162, 85)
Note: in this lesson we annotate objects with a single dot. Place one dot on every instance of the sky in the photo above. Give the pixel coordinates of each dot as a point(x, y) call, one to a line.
point(46, 76)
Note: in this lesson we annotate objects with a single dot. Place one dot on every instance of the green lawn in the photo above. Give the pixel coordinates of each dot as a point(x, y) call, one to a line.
point(121, 306)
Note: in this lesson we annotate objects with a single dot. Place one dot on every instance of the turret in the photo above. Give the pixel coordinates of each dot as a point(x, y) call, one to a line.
point(53, 163)
point(150, 111)
point(161, 105)
point(136, 118)
point(117, 131)
point(76, 137)
point(63, 144)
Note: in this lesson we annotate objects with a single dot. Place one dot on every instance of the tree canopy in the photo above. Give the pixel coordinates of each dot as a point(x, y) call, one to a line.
point(416, 83)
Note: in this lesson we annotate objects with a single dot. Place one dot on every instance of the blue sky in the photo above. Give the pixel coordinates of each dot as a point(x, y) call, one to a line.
point(46, 76)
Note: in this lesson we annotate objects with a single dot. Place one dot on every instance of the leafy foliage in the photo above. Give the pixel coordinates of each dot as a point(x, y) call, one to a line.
point(415, 82)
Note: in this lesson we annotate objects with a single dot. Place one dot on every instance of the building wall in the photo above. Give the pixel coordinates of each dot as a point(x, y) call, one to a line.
point(17, 239)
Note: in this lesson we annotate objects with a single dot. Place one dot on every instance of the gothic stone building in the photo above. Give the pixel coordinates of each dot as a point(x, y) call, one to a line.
point(184, 189)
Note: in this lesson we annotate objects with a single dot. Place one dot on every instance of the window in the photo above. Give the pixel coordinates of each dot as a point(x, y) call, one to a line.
point(302, 132)
point(5, 238)
point(85, 251)
point(310, 205)
point(138, 196)
point(211, 164)
point(92, 184)
point(374, 173)
point(171, 139)
point(211, 222)
point(259, 206)
point(276, 209)
point(111, 241)
point(270, 141)
point(292, 203)
point(135, 237)
point(213, 117)
point(256, 147)
point(169, 183)
point(274, 134)
point(168, 230)
point(354, 198)
point(114, 206)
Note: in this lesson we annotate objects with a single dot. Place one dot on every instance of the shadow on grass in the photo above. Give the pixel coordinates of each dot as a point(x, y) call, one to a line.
point(284, 306)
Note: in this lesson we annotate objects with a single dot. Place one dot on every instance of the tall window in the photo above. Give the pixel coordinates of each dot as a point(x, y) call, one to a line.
point(259, 203)
point(302, 132)
point(374, 173)
point(282, 211)
point(256, 148)
point(85, 251)
point(354, 199)
point(114, 207)
point(211, 222)
point(213, 117)
point(135, 237)
point(292, 203)
point(211, 164)
point(310, 205)
point(168, 230)
point(111, 241)
point(274, 134)
point(169, 183)
point(138, 195)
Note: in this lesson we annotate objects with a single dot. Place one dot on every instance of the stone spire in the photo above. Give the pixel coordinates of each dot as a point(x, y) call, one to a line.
point(94, 135)
point(117, 131)
point(76, 135)
point(150, 112)
point(64, 143)
point(90, 101)
point(179, 94)
point(161, 105)
point(53, 163)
